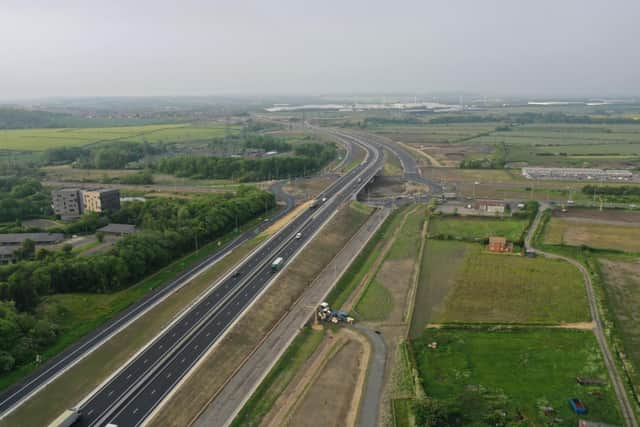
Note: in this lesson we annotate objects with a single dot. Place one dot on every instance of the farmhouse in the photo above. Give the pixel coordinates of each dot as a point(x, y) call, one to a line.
point(491, 206)
point(499, 244)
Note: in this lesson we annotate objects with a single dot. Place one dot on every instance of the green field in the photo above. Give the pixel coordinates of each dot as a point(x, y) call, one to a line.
point(477, 228)
point(42, 139)
point(463, 283)
point(386, 294)
point(514, 373)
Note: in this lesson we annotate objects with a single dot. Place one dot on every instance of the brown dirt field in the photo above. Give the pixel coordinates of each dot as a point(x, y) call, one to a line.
point(396, 276)
point(228, 355)
point(605, 216)
point(295, 396)
point(329, 400)
point(597, 234)
point(273, 228)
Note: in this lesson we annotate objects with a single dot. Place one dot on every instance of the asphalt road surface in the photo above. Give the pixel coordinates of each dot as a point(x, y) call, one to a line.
point(15, 395)
point(132, 394)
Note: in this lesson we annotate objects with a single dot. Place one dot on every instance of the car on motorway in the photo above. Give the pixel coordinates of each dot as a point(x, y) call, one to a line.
point(298, 235)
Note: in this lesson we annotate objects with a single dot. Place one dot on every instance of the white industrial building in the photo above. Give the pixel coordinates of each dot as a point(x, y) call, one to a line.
point(579, 174)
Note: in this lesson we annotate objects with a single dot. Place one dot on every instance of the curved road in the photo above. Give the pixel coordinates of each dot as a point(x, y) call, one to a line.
point(369, 407)
point(132, 394)
point(618, 386)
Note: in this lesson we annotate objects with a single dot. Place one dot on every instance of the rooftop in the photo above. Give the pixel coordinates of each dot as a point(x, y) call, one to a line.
point(18, 238)
point(118, 228)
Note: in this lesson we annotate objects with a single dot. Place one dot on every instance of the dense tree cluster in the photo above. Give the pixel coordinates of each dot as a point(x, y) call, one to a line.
point(144, 177)
point(22, 336)
point(169, 229)
point(307, 158)
point(614, 193)
point(116, 155)
point(619, 190)
point(22, 198)
point(267, 143)
point(13, 118)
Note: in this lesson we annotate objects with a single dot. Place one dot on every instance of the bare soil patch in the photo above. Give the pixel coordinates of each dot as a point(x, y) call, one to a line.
point(305, 189)
point(613, 216)
point(333, 396)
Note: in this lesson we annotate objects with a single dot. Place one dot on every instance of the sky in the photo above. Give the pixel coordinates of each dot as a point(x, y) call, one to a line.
point(190, 47)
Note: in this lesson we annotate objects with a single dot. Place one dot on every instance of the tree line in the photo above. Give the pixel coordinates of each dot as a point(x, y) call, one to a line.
point(307, 158)
point(23, 198)
point(111, 155)
point(170, 228)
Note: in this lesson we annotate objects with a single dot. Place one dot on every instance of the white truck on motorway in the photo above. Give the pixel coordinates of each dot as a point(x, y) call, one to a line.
point(277, 264)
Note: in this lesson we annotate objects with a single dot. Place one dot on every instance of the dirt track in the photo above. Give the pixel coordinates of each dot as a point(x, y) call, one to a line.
point(328, 388)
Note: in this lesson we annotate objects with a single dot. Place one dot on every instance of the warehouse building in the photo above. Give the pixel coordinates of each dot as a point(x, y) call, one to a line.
point(579, 174)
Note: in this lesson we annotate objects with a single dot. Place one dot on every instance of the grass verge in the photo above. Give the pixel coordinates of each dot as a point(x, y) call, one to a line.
point(302, 347)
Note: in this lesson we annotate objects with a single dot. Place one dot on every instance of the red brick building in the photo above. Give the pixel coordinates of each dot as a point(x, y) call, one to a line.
point(499, 244)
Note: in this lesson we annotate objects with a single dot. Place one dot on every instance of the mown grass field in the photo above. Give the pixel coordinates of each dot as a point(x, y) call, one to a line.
point(463, 283)
point(42, 139)
point(386, 294)
point(477, 228)
point(516, 371)
point(572, 232)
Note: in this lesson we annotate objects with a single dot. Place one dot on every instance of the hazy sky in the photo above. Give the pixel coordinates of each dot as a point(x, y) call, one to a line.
point(190, 47)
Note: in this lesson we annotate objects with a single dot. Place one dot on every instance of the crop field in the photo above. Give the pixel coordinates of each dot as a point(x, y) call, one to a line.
point(434, 133)
point(477, 228)
point(614, 229)
point(42, 139)
point(577, 145)
point(467, 371)
point(622, 286)
point(463, 283)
